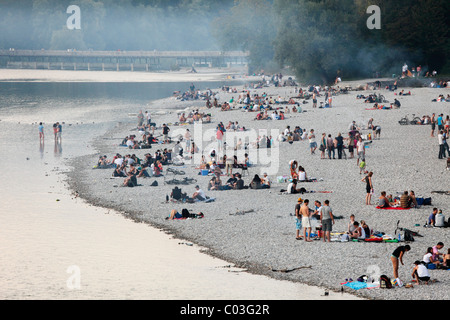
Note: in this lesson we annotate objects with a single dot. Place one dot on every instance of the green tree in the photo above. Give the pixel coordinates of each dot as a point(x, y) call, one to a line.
point(318, 39)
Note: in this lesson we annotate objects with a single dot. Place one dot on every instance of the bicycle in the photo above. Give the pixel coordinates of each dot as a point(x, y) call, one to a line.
point(405, 120)
point(184, 181)
point(176, 172)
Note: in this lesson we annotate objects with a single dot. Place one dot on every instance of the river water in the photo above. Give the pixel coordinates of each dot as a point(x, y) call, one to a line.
point(55, 246)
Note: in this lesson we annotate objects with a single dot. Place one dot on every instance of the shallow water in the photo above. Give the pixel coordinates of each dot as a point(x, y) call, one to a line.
point(55, 246)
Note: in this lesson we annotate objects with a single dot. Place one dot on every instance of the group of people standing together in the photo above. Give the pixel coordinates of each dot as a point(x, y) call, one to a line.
point(443, 132)
point(57, 132)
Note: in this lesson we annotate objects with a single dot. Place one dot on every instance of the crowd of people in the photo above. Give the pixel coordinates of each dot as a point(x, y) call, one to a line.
point(331, 146)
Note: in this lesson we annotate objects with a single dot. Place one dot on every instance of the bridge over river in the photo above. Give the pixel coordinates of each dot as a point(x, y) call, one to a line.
point(120, 60)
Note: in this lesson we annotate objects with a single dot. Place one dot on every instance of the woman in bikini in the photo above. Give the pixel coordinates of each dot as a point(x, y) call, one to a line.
point(369, 187)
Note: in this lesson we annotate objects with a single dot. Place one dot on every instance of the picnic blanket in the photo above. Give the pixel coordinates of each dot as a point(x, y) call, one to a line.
point(393, 208)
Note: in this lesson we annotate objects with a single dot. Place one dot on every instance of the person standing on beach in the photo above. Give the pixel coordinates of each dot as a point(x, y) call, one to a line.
point(440, 122)
point(166, 130)
point(433, 124)
point(397, 256)
point(314, 99)
point(330, 147)
point(306, 221)
point(441, 145)
point(339, 145)
point(187, 137)
point(41, 132)
point(327, 219)
point(140, 118)
point(312, 141)
point(369, 187)
point(55, 130)
point(148, 117)
point(58, 131)
point(298, 218)
point(219, 138)
point(360, 149)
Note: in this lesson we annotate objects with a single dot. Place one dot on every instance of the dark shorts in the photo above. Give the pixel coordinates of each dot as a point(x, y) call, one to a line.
point(327, 226)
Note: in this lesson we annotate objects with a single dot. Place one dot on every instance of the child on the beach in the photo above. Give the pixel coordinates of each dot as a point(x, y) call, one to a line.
point(362, 166)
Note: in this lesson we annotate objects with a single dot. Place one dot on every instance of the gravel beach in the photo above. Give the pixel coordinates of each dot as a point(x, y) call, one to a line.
point(255, 229)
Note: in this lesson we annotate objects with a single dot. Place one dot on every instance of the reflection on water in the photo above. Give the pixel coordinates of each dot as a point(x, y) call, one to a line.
point(41, 149)
point(58, 148)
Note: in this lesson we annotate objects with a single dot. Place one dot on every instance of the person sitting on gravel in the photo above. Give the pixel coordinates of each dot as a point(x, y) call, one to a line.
point(383, 201)
point(199, 194)
point(239, 184)
point(120, 171)
point(131, 180)
point(358, 233)
point(231, 181)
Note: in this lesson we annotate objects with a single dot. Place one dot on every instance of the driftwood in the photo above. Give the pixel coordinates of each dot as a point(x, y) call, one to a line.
point(241, 213)
point(441, 192)
point(290, 270)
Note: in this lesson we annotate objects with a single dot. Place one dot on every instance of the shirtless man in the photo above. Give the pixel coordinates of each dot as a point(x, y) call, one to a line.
point(433, 124)
point(306, 221)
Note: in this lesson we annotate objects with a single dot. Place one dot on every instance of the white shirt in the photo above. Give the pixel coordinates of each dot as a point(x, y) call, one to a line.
point(201, 193)
point(130, 143)
point(301, 176)
point(118, 161)
point(290, 186)
point(304, 135)
point(266, 180)
point(311, 138)
point(441, 138)
point(426, 258)
point(360, 146)
point(422, 271)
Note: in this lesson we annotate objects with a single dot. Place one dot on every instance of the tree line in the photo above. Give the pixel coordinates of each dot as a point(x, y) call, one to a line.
point(317, 39)
point(322, 39)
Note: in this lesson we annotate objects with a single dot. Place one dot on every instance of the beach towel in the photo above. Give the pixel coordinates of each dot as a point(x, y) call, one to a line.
point(356, 285)
point(393, 208)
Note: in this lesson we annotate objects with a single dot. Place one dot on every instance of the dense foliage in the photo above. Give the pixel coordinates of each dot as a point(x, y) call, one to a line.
point(317, 39)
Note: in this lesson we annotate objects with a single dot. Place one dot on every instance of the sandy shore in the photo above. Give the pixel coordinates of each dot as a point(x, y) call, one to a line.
point(31, 75)
point(405, 158)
